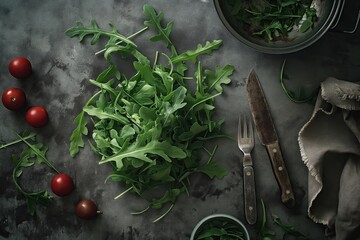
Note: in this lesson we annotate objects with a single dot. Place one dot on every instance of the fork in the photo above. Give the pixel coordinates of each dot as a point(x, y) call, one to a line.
point(246, 145)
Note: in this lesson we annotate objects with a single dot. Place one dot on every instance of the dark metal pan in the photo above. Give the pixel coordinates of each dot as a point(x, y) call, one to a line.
point(328, 14)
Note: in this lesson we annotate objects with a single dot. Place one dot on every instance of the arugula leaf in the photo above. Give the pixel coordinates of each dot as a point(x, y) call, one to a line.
point(267, 234)
point(264, 232)
point(221, 76)
point(97, 112)
point(154, 21)
point(200, 50)
point(25, 135)
point(39, 198)
point(212, 169)
point(289, 229)
point(169, 196)
point(40, 151)
point(108, 74)
point(76, 138)
point(174, 101)
point(111, 48)
point(162, 149)
point(81, 31)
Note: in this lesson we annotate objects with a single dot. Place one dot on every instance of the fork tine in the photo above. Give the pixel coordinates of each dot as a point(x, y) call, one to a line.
point(239, 129)
point(245, 135)
point(245, 127)
point(251, 129)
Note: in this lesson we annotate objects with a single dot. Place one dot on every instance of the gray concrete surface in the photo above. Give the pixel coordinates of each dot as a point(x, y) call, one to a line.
point(62, 67)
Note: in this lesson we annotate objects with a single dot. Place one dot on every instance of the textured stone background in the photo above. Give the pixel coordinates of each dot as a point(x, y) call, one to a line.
point(62, 67)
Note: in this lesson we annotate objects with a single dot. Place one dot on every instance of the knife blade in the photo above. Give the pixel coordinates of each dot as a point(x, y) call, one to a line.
point(268, 137)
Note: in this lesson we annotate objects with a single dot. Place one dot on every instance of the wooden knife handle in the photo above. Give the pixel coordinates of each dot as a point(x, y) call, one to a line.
point(281, 174)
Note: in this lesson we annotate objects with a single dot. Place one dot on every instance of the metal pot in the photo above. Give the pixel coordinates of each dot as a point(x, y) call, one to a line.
point(328, 12)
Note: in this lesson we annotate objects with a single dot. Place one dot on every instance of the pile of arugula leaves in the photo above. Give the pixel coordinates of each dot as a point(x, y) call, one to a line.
point(272, 19)
point(152, 127)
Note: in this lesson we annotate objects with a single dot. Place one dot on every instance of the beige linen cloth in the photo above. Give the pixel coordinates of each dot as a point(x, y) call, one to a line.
point(330, 148)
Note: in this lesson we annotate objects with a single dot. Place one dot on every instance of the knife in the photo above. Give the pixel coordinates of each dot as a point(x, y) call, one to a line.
point(268, 137)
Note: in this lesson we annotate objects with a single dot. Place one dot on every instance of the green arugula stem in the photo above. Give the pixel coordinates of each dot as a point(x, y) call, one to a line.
point(92, 98)
point(263, 219)
point(103, 87)
point(17, 184)
point(37, 153)
point(163, 215)
point(200, 102)
point(264, 15)
point(129, 37)
point(140, 212)
point(211, 154)
point(295, 100)
point(156, 59)
point(170, 63)
point(15, 181)
point(121, 194)
point(186, 189)
point(17, 141)
point(131, 97)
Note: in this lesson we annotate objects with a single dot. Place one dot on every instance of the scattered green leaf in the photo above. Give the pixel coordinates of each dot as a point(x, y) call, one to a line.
point(200, 50)
point(264, 232)
point(81, 31)
point(289, 229)
point(26, 135)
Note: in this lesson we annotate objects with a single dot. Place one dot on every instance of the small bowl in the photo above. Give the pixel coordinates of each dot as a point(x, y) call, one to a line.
point(221, 217)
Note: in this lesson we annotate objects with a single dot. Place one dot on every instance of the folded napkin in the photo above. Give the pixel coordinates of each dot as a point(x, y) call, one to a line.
point(330, 148)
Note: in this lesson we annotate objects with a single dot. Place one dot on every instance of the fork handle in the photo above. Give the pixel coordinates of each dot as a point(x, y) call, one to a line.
point(249, 191)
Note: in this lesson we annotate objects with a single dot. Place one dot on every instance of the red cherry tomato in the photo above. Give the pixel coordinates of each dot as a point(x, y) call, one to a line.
point(13, 98)
point(37, 116)
point(62, 184)
point(20, 67)
point(86, 209)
